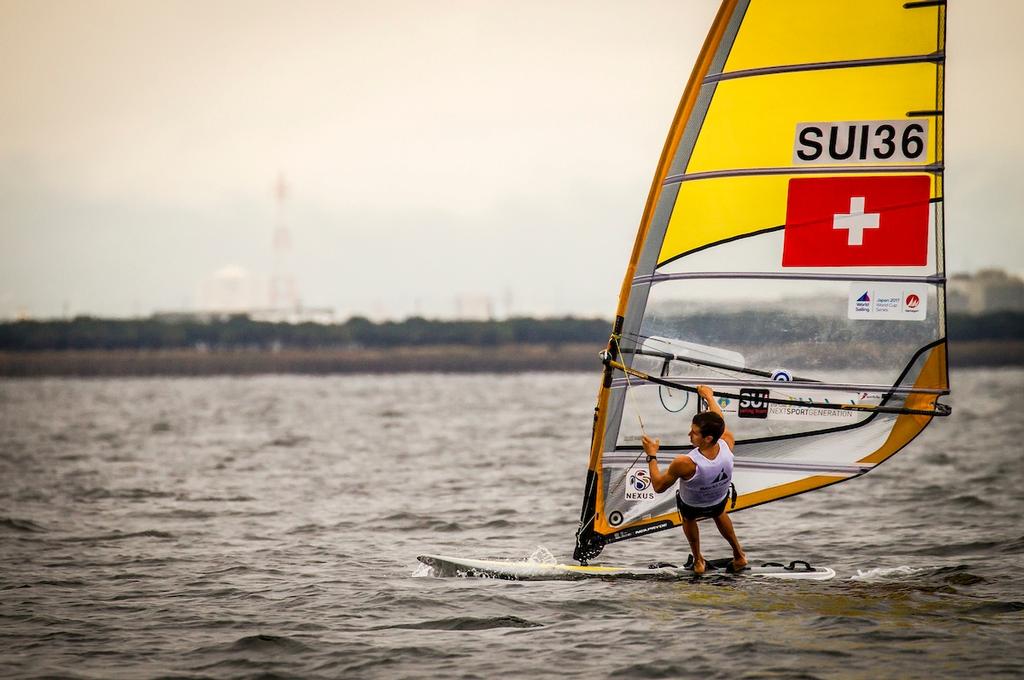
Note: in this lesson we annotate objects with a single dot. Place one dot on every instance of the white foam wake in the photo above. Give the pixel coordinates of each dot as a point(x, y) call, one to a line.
point(423, 571)
point(541, 555)
point(880, 573)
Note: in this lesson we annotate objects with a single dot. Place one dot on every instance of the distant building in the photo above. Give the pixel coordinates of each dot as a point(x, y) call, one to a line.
point(297, 314)
point(989, 290)
point(322, 315)
point(234, 291)
point(230, 289)
point(474, 308)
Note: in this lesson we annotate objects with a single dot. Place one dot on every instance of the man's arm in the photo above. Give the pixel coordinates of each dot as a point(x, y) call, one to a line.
point(680, 468)
point(708, 396)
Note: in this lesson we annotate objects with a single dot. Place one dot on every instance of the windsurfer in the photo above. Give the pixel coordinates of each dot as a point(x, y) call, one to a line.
point(705, 476)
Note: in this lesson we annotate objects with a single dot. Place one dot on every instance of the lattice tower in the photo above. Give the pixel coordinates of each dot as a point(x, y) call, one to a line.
point(283, 292)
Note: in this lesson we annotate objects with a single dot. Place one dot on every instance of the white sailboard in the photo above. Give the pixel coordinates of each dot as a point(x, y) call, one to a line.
point(444, 566)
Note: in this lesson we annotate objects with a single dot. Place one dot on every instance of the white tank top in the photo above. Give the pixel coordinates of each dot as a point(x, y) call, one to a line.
point(710, 484)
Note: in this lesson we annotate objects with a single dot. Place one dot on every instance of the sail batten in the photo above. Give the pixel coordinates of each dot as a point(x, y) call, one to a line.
point(892, 278)
point(931, 58)
point(828, 387)
point(934, 168)
point(790, 254)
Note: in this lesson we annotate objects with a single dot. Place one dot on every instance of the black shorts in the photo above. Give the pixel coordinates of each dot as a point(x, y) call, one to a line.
point(697, 511)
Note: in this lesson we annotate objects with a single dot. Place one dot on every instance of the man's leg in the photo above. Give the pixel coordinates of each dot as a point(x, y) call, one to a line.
point(724, 524)
point(692, 532)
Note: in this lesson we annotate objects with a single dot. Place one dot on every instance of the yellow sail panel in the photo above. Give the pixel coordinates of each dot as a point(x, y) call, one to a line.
point(809, 31)
point(774, 493)
point(752, 122)
point(712, 210)
point(933, 375)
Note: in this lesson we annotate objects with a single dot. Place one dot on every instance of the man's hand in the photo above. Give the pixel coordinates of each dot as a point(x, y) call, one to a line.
point(664, 478)
point(651, 445)
point(708, 396)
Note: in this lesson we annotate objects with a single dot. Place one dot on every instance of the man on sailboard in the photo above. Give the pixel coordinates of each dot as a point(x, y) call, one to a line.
point(705, 477)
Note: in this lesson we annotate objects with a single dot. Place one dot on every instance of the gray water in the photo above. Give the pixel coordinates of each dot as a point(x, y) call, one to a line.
point(268, 527)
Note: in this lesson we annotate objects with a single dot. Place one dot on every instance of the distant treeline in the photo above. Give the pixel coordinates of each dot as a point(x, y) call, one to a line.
point(241, 332)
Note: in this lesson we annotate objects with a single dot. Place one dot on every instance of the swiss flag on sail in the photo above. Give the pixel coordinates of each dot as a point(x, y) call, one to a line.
point(857, 221)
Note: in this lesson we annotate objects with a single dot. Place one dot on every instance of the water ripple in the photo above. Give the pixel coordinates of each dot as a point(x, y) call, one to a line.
point(470, 623)
point(268, 527)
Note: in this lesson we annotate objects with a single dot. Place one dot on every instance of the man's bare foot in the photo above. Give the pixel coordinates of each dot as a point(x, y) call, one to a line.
point(738, 564)
point(699, 565)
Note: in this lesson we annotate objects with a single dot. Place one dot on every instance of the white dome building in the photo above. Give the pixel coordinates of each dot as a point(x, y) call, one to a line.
point(231, 290)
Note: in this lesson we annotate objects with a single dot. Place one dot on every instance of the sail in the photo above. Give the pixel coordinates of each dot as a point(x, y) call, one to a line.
point(790, 256)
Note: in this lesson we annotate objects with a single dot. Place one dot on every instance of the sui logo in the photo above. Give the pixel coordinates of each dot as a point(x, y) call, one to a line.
point(638, 486)
point(912, 302)
point(754, 403)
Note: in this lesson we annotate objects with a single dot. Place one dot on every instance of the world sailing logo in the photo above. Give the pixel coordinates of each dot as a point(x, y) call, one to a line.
point(895, 301)
point(863, 303)
point(639, 486)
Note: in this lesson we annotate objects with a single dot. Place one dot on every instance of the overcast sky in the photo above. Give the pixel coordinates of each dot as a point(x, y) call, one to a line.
point(434, 150)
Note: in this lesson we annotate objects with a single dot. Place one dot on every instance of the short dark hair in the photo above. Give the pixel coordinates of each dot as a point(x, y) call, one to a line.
point(710, 424)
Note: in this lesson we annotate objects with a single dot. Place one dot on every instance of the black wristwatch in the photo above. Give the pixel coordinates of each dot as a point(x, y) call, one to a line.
point(650, 458)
